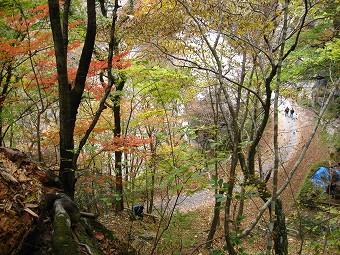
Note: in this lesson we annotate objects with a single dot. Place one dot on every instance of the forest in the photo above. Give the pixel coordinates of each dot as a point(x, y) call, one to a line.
point(158, 127)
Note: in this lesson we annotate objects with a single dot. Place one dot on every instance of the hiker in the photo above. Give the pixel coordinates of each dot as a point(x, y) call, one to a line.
point(138, 210)
point(292, 113)
point(286, 111)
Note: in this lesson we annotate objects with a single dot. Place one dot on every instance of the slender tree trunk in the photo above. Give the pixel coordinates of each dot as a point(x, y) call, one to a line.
point(280, 231)
point(216, 218)
point(153, 175)
point(2, 100)
point(217, 207)
point(227, 207)
point(277, 222)
point(40, 157)
point(119, 201)
point(119, 85)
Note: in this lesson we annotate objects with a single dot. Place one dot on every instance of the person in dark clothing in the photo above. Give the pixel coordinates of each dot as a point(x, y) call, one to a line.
point(138, 210)
point(292, 113)
point(286, 111)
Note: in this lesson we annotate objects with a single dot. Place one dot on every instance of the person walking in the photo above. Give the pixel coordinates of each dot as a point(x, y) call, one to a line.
point(292, 113)
point(286, 111)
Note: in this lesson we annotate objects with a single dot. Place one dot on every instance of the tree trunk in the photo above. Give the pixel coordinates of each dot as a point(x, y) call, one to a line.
point(119, 202)
point(119, 83)
point(153, 175)
point(2, 100)
point(70, 98)
point(215, 221)
point(280, 230)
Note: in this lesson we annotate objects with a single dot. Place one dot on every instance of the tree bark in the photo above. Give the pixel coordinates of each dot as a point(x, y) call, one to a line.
point(119, 85)
point(62, 232)
point(2, 99)
point(215, 221)
point(119, 203)
point(280, 231)
point(70, 98)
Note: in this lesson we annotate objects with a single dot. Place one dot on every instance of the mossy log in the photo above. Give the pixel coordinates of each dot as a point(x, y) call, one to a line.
point(63, 241)
point(73, 234)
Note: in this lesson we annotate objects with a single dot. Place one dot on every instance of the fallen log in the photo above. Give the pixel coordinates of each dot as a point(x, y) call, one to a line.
point(35, 223)
point(63, 237)
point(81, 234)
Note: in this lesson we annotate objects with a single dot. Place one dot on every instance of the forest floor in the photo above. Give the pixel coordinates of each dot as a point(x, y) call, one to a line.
point(293, 133)
point(188, 231)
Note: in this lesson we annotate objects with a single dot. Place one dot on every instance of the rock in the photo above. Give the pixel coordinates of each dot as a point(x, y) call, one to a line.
point(147, 235)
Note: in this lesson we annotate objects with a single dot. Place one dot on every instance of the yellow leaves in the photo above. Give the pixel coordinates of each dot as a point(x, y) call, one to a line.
point(144, 7)
point(50, 135)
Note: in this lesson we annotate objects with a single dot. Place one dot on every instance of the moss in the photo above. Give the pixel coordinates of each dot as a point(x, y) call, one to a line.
point(63, 242)
point(85, 236)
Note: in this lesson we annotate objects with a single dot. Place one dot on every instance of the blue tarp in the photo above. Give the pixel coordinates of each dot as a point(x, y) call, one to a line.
point(322, 177)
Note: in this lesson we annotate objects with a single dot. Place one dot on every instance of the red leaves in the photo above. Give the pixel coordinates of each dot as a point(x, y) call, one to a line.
point(21, 23)
point(27, 37)
point(117, 62)
point(96, 67)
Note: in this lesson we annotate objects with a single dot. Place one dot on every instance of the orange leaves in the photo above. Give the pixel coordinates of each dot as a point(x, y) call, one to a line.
point(21, 23)
point(96, 67)
point(83, 124)
point(23, 35)
point(9, 49)
point(40, 10)
point(75, 23)
point(97, 90)
point(99, 236)
point(74, 45)
point(128, 143)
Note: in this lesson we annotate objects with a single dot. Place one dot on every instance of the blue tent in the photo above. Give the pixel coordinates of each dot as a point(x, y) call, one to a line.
point(322, 177)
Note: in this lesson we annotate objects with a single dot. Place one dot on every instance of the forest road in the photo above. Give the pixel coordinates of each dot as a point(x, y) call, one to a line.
point(289, 138)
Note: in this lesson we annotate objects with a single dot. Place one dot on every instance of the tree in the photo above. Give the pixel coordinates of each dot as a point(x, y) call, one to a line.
point(116, 79)
point(22, 43)
point(70, 91)
point(157, 97)
point(241, 46)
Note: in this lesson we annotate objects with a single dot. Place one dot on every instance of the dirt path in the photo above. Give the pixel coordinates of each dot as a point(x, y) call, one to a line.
point(293, 132)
